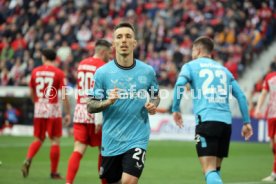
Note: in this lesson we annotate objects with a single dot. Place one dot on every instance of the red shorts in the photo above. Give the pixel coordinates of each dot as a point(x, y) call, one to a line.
point(271, 128)
point(53, 126)
point(85, 133)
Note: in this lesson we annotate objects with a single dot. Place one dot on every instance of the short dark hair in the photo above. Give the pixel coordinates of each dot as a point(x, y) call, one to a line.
point(103, 42)
point(206, 42)
point(124, 24)
point(49, 54)
point(273, 66)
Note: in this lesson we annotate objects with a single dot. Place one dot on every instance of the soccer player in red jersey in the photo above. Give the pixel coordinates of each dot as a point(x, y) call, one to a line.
point(87, 130)
point(269, 86)
point(46, 81)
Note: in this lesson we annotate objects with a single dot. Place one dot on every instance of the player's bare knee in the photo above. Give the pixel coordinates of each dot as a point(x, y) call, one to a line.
point(55, 140)
point(39, 139)
point(129, 179)
point(273, 140)
point(79, 147)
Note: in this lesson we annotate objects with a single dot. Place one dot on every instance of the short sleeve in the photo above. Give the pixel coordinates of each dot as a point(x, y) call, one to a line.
point(153, 83)
point(229, 75)
point(185, 72)
point(265, 83)
point(32, 80)
point(97, 91)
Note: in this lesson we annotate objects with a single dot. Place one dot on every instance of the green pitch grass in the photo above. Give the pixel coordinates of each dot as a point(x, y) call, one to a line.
point(168, 162)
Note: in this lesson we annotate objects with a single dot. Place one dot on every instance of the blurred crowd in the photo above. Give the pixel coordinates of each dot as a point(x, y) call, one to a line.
point(165, 32)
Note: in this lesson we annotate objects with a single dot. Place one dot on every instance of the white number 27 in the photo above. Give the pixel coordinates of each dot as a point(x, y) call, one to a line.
point(41, 84)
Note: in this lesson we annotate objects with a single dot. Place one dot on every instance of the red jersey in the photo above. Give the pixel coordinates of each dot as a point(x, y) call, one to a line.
point(46, 81)
point(270, 85)
point(86, 71)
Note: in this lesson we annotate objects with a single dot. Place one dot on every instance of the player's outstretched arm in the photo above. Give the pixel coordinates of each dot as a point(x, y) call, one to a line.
point(247, 130)
point(179, 87)
point(94, 105)
point(260, 103)
point(239, 95)
point(67, 109)
point(177, 96)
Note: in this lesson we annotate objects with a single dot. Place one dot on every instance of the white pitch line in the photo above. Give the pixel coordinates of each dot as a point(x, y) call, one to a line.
point(253, 182)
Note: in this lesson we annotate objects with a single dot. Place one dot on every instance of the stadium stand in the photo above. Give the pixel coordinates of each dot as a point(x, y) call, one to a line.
point(165, 30)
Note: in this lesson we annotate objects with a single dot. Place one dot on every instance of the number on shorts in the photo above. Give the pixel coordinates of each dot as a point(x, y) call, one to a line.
point(139, 152)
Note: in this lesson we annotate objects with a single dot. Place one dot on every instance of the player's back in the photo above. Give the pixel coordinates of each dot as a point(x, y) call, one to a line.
point(211, 86)
point(86, 71)
point(85, 75)
point(45, 82)
point(270, 85)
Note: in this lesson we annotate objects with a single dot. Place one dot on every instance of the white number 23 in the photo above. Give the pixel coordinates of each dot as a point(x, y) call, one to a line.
point(208, 88)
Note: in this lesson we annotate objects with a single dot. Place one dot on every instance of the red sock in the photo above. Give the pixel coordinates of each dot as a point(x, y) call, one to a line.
point(34, 147)
point(99, 166)
point(54, 157)
point(73, 166)
point(274, 163)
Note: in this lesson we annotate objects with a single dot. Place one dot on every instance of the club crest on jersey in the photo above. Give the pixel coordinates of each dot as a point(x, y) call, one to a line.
point(142, 79)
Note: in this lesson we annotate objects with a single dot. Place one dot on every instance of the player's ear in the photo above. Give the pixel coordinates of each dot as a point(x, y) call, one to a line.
point(112, 45)
point(197, 51)
point(135, 43)
point(43, 58)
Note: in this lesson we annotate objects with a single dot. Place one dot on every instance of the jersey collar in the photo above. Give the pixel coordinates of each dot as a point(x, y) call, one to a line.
point(125, 68)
